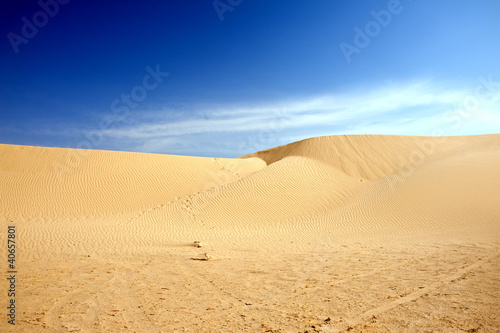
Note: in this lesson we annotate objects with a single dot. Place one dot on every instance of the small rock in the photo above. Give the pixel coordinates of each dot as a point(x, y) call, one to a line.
point(202, 256)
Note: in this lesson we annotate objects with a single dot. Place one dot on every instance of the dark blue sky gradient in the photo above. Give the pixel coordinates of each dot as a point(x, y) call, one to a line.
point(65, 78)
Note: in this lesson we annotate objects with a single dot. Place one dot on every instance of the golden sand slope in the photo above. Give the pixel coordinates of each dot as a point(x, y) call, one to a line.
point(297, 234)
point(56, 183)
point(383, 186)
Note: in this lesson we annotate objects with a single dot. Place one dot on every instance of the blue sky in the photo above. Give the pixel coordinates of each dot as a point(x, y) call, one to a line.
point(230, 77)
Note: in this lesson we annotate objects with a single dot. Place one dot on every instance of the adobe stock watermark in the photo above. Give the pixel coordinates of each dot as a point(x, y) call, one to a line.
point(223, 6)
point(363, 37)
point(29, 29)
point(254, 143)
point(223, 176)
point(484, 92)
point(120, 108)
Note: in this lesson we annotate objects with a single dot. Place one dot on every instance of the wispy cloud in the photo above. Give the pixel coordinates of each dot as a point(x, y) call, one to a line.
point(227, 130)
point(312, 111)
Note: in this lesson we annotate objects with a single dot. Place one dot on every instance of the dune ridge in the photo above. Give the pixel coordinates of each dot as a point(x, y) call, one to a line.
point(326, 189)
point(387, 200)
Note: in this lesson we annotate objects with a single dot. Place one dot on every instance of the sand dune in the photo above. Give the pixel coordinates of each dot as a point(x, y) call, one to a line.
point(369, 233)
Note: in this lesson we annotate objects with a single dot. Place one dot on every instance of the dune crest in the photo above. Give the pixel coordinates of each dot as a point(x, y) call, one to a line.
point(345, 233)
point(330, 188)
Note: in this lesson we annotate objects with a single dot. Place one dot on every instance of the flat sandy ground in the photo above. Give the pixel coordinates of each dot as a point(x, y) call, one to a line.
point(331, 234)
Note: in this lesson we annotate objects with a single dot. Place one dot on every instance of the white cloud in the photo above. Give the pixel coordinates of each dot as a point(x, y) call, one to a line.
point(313, 111)
point(415, 108)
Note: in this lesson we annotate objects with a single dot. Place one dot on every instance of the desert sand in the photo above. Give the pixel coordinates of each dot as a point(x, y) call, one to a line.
point(360, 233)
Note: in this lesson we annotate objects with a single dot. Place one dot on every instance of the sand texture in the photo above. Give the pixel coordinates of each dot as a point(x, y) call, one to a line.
point(361, 233)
